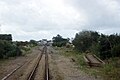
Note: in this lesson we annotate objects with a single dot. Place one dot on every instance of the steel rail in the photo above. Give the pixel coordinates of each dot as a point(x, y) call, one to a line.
point(10, 74)
point(46, 66)
point(32, 73)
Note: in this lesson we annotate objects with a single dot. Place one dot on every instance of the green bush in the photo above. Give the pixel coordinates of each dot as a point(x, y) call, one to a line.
point(111, 71)
point(95, 48)
point(59, 41)
point(104, 46)
point(8, 49)
point(2, 50)
point(116, 51)
point(84, 40)
point(25, 48)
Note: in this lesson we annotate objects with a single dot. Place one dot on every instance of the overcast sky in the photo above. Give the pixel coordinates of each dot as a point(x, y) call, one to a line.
point(37, 19)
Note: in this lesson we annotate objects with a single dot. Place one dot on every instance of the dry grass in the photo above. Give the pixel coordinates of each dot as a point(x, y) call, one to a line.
point(109, 71)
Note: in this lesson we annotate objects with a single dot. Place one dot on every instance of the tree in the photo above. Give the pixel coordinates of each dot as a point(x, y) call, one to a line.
point(105, 47)
point(8, 49)
point(33, 42)
point(59, 41)
point(84, 40)
point(7, 37)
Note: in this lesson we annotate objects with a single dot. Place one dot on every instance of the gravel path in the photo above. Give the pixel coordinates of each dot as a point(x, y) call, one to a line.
point(66, 70)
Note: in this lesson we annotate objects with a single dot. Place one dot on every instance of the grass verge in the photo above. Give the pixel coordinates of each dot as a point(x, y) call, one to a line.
point(110, 71)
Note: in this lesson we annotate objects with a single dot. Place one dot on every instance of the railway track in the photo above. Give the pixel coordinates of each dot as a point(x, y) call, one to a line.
point(46, 71)
point(32, 73)
point(8, 75)
point(46, 66)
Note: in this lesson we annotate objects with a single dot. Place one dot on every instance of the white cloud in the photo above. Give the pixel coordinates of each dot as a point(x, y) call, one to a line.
point(102, 15)
point(27, 19)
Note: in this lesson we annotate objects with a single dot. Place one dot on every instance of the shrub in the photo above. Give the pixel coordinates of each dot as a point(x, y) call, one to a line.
point(111, 71)
point(116, 51)
point(8, 49)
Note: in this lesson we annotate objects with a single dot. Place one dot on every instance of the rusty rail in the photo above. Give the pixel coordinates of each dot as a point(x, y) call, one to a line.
point(32, 74)
point(46, 73)
point(46, 66)
point(8, 75)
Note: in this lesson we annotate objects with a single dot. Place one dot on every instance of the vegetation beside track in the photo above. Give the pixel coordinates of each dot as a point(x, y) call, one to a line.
point(104, 46)
point(9, 48)
point(109, 71)
point(59, 41)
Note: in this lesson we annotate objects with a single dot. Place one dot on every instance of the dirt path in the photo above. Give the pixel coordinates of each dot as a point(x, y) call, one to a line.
point(63, 69)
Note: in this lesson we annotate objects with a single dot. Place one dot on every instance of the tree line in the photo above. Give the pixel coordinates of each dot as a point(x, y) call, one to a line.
point(7, 47)
point(105, 46)
point(59, 41)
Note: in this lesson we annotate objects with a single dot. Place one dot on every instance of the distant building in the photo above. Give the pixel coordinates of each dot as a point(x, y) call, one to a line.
point(45, 42)
point(42, 42)
point(49, 43)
